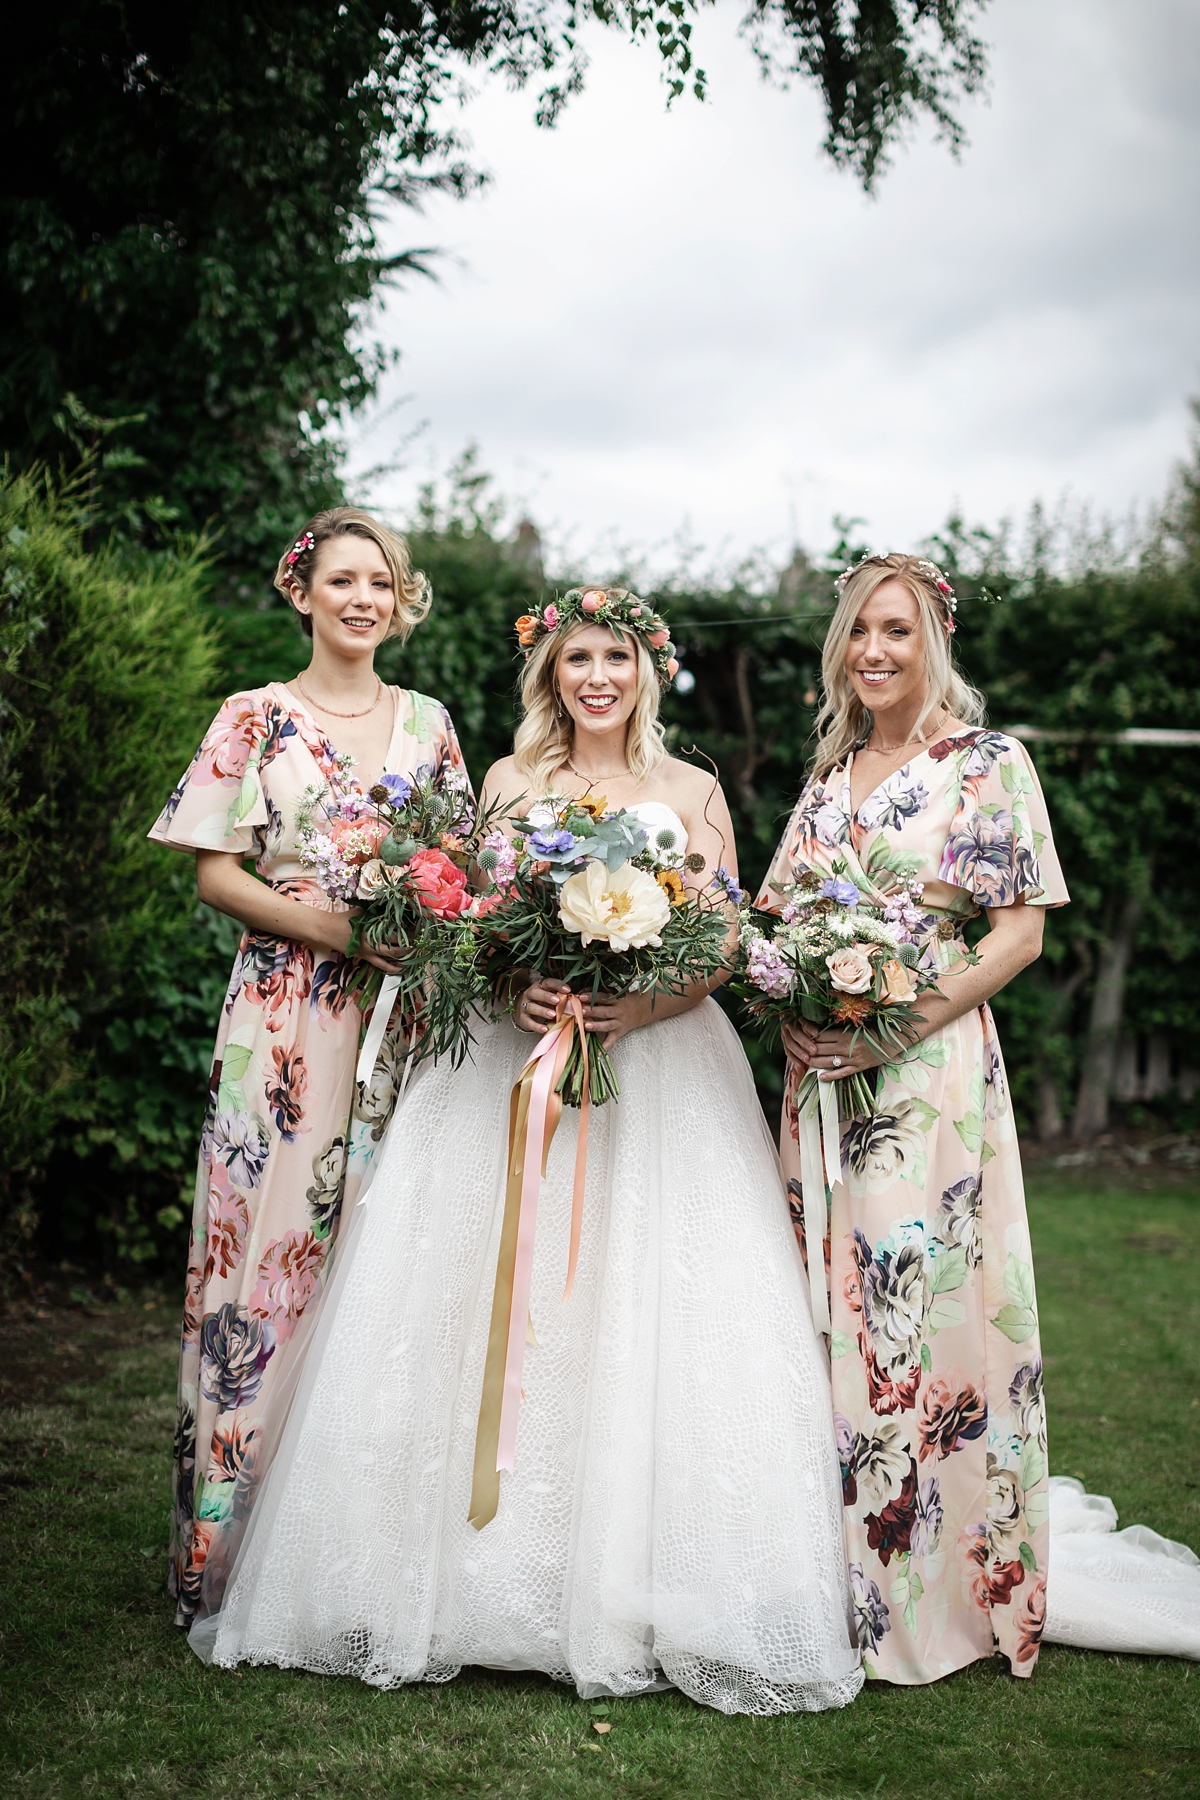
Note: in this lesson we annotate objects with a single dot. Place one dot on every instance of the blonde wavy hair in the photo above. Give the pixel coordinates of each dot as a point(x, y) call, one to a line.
point(546, 733)
point(410, 587)
point(842, 720)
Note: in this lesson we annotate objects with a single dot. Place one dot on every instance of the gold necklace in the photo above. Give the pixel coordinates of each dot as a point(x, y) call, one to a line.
point(342, 715)
point(593, 779)
point(891, 749)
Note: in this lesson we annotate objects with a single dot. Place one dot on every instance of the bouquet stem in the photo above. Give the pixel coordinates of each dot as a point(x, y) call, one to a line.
point(858, 1094)
point(602, 1077)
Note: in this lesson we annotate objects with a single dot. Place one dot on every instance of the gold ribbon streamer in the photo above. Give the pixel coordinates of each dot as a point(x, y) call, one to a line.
point(501, 1371)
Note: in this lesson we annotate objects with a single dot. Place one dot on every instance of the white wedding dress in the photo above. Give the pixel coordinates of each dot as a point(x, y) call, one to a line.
point(675, 1515)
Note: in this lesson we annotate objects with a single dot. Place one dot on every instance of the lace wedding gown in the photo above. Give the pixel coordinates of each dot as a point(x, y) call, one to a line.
point(675, 1515)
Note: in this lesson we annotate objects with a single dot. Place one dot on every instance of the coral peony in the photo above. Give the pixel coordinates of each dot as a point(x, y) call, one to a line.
point(658, 638)
point(440, 886)
point(592, 601)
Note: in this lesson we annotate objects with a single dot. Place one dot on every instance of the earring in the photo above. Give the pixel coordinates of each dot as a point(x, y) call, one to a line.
point(559, 708)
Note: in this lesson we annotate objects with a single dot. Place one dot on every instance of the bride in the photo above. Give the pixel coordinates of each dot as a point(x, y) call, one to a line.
point(674, 1515)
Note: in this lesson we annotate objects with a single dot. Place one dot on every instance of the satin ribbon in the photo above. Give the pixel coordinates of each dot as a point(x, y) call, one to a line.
point(820, 1172)
point(534, 1111)
point(381, 1014)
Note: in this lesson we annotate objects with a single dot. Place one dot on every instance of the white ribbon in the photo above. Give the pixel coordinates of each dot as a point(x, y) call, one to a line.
point(380, 1016)
point(820, 1172)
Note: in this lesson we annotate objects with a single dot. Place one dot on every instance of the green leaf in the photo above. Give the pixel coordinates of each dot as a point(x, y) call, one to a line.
point(971, 1133)
point(1016, 1322)
point(1028, 1559)
point(236, 1060)
point(915, 1585)
point(840, 1344)
point(247, 798)
point(1033, 1464)
point(1018, 1283)
point(934, 1052)
point(949, 1271)
point(986, 1154)
point(924, 1114)
point(926, 1358)
point(943, 1314)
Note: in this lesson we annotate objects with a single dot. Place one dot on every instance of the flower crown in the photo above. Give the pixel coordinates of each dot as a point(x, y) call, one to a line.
point(614, 607)
point(301, 545)
point(929, 569)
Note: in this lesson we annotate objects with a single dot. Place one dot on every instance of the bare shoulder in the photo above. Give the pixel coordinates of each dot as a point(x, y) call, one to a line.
point(504, 781)
point(688, 785)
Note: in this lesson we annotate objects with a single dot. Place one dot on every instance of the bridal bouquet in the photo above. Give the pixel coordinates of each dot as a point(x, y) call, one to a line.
point(837, 958)
point(598, 900)
point(401, 856)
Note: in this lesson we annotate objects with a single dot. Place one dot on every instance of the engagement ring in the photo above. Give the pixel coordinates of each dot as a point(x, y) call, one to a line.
point(837, 1062)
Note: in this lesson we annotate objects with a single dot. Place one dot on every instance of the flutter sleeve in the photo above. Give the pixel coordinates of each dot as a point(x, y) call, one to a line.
point(788, 862)
point(219, 802)
point(1000, 847)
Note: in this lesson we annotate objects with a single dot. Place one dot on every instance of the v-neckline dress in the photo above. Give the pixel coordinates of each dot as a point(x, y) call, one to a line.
point(935, 1358)
point(287, 1137)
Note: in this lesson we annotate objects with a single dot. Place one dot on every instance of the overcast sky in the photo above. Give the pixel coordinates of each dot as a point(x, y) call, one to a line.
point(660, 324)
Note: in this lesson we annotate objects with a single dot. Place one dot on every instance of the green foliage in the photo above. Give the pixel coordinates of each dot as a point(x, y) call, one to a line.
point(105, 673)
point(1088, 642)
point(190, 201)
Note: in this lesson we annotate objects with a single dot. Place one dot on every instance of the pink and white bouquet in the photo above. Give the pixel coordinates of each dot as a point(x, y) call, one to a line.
point(400, 856)
point(837, 958)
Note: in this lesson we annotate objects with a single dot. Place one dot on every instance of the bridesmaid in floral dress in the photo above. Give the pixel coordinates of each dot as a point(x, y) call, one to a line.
point(287, 1137)
point(937, 1374)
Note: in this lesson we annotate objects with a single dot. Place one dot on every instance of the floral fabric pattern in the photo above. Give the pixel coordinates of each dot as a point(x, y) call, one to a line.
point(937, 1373)
point(287, 1137)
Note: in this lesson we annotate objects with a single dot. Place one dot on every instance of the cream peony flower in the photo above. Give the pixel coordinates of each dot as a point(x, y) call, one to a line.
point(851, 971)
point(624, 910)
point(898, 982)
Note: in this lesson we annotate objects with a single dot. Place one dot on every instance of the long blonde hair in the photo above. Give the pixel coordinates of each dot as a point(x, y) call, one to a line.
point(410, 587)
point(545, 735)
point(842, 720)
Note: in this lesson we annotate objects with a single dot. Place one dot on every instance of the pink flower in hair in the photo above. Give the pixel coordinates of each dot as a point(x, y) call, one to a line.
point(550, 617)
point(592, 601)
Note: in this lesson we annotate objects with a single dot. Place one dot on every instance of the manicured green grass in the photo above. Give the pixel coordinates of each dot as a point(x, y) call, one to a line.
point(104, 1697)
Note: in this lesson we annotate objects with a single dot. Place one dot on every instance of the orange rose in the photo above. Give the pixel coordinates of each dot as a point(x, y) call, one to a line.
point(526, 630)
point(898, 982)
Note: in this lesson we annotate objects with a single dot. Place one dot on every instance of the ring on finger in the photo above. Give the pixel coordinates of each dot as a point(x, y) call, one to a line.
point(837, 1062)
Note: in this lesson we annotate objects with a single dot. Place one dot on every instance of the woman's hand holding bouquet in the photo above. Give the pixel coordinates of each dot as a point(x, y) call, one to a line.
point(401, 857)
point(838, 960)
point(599, 906)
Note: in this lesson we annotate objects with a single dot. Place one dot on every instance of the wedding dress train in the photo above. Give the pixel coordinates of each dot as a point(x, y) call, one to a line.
point(675, 1515)
point(1131, 1591)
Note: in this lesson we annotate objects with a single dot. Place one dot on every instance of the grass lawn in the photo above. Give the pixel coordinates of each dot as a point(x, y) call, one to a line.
point(103, 1696)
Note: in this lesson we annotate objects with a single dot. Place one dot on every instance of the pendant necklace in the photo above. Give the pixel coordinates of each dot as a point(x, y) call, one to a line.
point(342, 715)
point(891, 749)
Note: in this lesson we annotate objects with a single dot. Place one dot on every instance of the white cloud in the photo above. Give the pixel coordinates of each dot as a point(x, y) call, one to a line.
point(658, 319)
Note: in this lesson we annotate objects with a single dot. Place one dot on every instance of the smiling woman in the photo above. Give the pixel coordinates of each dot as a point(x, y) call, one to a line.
point(286, 1136)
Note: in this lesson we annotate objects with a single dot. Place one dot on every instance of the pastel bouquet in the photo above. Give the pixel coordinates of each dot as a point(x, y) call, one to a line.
point(837, 958)
point(598, 900)
point(400, 857)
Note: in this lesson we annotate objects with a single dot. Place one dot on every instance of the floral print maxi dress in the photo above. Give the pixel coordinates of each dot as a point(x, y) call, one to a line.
point(287, 1138)
point(937, 1374)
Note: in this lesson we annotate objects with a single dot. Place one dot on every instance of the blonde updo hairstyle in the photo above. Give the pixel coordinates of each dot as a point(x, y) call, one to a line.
point(545, 736)
point(410, 587)
point(842, 720)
